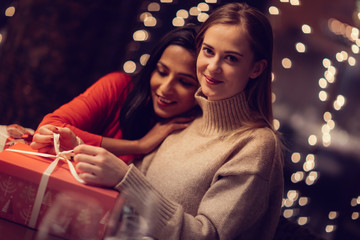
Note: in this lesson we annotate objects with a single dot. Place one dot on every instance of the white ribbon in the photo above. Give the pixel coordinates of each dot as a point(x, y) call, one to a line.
point(46, 174)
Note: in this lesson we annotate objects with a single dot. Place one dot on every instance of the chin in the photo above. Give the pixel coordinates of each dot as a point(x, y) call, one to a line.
point(163, 115)
point(208, 94)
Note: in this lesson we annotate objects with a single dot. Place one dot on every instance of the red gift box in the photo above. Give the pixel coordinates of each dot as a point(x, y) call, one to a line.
point(20, 176)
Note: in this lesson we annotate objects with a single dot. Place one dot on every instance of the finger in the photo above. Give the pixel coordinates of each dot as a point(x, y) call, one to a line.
point(179, 126)
point(36, 145)
point(40, 138)
point(88, 150)
point(84, 158)
point(47, 129)
point(89, 178)
point(86, 167)
point(48, 149)
point(65, 130)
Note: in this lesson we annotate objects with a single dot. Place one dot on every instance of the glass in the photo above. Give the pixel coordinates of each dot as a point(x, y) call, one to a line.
point(125, 223)
point(72, 216)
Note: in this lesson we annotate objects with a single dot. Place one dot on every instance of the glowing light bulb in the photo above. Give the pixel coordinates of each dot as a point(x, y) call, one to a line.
point(306, 29)
point(203, 7)
point(302, 220)
point(332, 215)
point(202, 17)
point(182, 13)
point(327, 116)
point(10, 11)
point(300, 47)
point(178, 22)
point(326, 62)
point(323, 96)
point(295, 157)
point(303, 201)
point(144, 58)
point(330, 228)
point(323, 83)
point(286, 63)
point(141, 35)
point(150, 22)
point(129, 67)
point(312, 140)
point(153, 7)
point(274, 10)
point(288, 213)
point(352, 61)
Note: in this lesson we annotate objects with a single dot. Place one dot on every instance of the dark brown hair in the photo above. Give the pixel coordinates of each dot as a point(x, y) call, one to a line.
point(137, 113)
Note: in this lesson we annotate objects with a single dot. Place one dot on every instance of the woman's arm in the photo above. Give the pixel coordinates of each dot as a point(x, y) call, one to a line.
point(88, 116)
point(147, 143)
point(90, 113)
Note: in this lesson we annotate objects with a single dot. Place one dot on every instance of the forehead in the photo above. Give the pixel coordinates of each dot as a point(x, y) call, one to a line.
point(179, 51)
point(226, 35)
point(178, 57)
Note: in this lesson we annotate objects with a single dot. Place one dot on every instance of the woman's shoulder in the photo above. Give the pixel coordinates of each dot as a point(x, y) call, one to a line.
point(257, 150)
point(117, 78)
point(111, 83)
point(263, 135)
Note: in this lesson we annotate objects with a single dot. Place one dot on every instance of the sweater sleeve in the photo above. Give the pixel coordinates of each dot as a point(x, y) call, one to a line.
point(242, 202)
point(90, 113)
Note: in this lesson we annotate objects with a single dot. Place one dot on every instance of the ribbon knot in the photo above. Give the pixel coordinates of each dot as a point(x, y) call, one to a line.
point(63, 156)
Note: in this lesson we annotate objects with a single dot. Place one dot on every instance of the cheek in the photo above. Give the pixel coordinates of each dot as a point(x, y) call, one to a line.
point(199, 64)
point(154, 83)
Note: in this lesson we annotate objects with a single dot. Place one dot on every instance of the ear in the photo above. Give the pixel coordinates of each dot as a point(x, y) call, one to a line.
point(258, 68)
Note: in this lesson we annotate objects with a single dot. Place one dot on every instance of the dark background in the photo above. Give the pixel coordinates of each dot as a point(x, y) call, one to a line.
point(50, 51)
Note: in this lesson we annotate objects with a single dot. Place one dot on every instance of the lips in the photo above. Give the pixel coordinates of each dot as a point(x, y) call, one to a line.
point(162, 101)
point(212, 81)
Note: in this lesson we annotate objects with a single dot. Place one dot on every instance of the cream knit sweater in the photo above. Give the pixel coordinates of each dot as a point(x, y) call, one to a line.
point(212, 180)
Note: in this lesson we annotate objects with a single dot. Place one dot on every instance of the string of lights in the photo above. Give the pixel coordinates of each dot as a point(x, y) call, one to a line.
point(197, 13)
point(294, 200)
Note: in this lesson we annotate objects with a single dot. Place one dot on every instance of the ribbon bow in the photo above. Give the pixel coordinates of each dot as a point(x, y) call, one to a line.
point(64, 155)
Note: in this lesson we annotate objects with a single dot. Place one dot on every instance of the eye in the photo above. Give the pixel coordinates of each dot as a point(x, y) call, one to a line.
point(207, 51)
point(232, 58)
point(161, 71)
point(187, 83)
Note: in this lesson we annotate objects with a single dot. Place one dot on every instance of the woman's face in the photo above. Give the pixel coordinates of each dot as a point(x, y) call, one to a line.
point(173, 83)
point(225, 61)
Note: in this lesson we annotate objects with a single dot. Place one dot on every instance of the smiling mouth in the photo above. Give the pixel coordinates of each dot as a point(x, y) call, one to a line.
point(163, 100)
point(211, 80)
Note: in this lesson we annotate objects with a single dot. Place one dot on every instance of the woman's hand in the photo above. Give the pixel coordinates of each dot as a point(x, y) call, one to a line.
point(98, 166)
point(43, 140)
point(160, 131)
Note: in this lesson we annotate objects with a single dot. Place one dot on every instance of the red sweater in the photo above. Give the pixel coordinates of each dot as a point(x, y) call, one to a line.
point(95, 113)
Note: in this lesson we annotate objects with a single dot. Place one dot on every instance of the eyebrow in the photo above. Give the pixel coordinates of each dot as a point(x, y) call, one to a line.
point(183, 74)
point(228, 52)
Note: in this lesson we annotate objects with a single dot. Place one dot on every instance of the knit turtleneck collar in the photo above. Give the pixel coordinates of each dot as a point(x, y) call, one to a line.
point(223, 115)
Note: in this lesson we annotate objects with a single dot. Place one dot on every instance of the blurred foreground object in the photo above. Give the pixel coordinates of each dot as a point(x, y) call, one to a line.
point(73, 216)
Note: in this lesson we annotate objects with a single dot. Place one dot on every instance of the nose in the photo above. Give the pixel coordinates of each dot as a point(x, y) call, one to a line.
point(214, 65)
point(166, 87)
